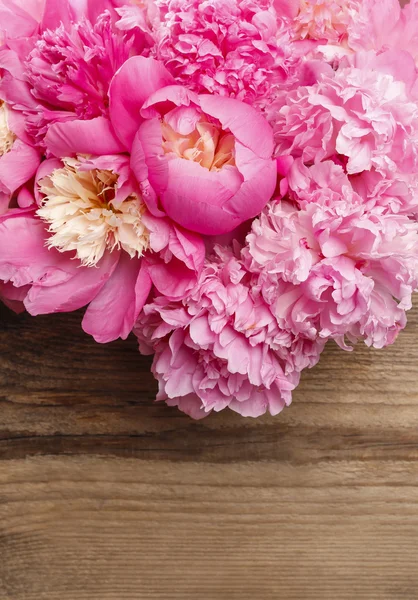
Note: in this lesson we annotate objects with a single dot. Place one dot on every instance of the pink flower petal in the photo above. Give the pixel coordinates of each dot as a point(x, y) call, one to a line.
point(187, 247)
point(24, 257)
point(244, 121)
point(10, 61)
point(62, 11)
point(44, 170)
point(97, 7)
point(197, 199)
point(13, 297)
point(82, 137)
point(25, 198)
point(149, 164)
point(18, 166)
point(5, 199)
point(288, 8)
point(16, 92)
point(173, 279)
point(258, 187)
point(71, 286)
point(114, 311)
point(135, 81)
point(15, 21)
point(166, 99)
point(191, 405)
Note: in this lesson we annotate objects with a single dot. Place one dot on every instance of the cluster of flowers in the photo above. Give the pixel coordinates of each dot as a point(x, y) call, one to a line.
point(235, 181)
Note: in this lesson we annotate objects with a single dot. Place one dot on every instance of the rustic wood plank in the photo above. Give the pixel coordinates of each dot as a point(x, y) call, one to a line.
point(61, 393)
point(82, 528)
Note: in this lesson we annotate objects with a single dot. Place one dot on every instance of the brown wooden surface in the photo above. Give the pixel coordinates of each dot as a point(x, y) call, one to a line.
point(105, 495)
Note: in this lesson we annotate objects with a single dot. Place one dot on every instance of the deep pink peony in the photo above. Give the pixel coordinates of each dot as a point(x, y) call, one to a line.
point(221, 347)
point(71, 69)
point(236, 48)
point(64, 70)
point(205, 161)
point(91, 241)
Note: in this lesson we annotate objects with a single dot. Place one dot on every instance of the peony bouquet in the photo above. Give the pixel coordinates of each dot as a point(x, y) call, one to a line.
point(235, 181)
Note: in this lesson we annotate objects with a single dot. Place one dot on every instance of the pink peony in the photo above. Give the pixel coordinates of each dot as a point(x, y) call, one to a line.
point(396, 194)
point(236, 48)
point(64, 70)
point(327, 183)
point(382, 24)
point(72, 69)
point(336, 269)
point(325, 20)
point(220, 346)
point(90, 237)
point(205, 161)
point(366, 114)
point(342, 27)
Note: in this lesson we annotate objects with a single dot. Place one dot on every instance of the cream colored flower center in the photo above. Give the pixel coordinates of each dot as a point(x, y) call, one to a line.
point(7, 138)
point(319, 18)
point(82, 216)
point(207, 145)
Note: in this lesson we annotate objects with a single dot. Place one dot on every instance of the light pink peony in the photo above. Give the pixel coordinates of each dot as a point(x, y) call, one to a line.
point(397, 194)
point(382, 24)
point(327, 183)
point(221, 347)
point(366, 114)
point(205, 161)
point(325, 20)
point(342, 27)
point(324, 183)
point(336, 269)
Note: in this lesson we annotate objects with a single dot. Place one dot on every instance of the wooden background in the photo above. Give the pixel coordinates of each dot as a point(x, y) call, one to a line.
point(105, 495)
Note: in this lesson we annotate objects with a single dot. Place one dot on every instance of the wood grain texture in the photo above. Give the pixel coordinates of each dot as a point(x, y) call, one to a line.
point(105, 495)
